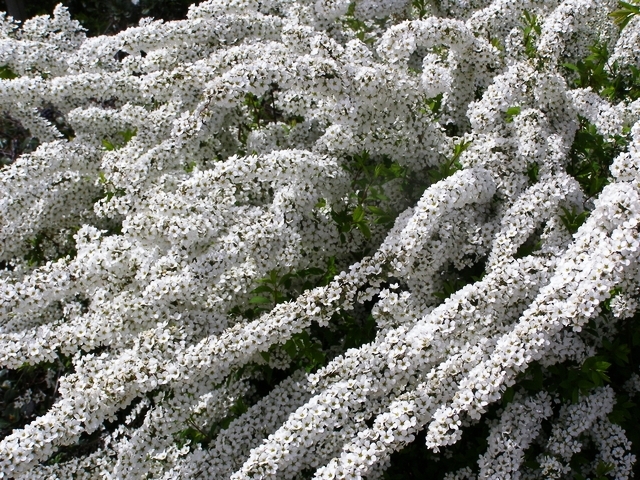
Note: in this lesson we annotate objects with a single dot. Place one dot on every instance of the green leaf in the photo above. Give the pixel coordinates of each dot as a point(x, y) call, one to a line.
point(291, 348)
point(266, 356)
point(507, 396)
point(510, 113)
point(259, 300)
point(330, 272)
point(7, 74)
point(460, 148)
point(624, 14)
point(571, 66)
point(527, 249)
point(535, 379)
point(239, 408)
point(621, 410)
point(262, 289)
point(376, 210)
point(572, 220)
point(106, 143)
point(364, 228)
point(421, 7)
point(358, 214)
point(376, 194)
point(533, 170)
point(603, 468)
point(396, 170)
point(286, 279)
point(128, 134)
point(435, 104)
point(310, 271)
point(531, 30)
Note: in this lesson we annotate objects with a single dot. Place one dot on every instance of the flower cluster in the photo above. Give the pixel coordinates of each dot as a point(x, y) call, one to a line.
point(286, 239)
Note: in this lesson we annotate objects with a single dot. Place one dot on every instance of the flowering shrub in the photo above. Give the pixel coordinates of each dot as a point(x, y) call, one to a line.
point(289, 239)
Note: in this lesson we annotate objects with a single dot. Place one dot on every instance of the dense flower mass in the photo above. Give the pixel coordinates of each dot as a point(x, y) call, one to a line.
point(286, 239)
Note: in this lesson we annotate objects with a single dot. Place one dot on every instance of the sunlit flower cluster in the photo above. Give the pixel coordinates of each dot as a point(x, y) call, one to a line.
point(197, 209)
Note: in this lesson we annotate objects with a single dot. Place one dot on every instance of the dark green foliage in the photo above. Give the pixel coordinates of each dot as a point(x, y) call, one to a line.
point(591, 153)
point(307, 350)
point(109, 189)
point(601, 471)
point(533, 170)
point(261, 111)
point(89, 443)
point(276, 288)
point(497, 43)
point(590, 159)
point(457, 279)
point(531, 30)
point(44, 242)
point(614, 362)
point(449, 288)
point(369, 178)
point(530, 246)
point(603, 77)
point(203, 436)
point(591, 71)
point(421, 6)
point(591, 156)
point(574, 381)
point(361, 29)
point(6, 73)
point(572, 220)
point(433, 105)
point(14, 138)
point(451, 165)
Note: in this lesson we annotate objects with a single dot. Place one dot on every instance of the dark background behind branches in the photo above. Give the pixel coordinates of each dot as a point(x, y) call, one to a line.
point(103, 17)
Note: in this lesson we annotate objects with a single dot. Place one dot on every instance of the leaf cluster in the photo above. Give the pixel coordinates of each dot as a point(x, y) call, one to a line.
point(119, 139)
point(625, 12)
point(605, 78)
point(276, 288)
point(572, 219)
point(197, 435)
point(451, 165)
point(109, 189)
point(531, 30)
point(262, 111)
point(591, 156)
point(361, 29)
point(368, 199)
